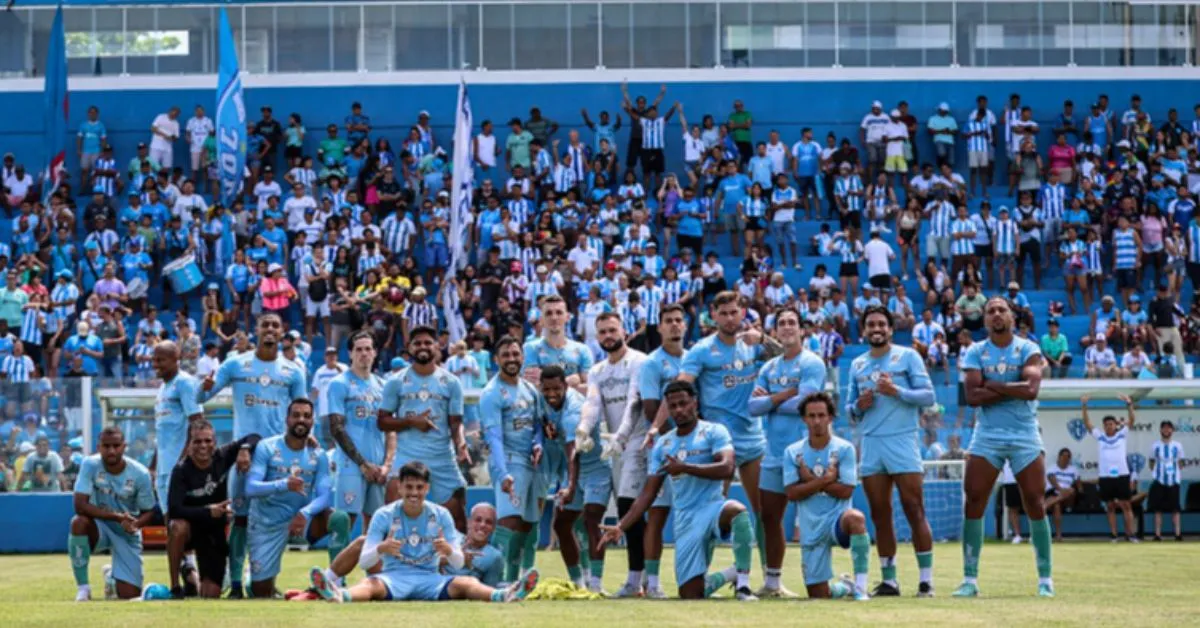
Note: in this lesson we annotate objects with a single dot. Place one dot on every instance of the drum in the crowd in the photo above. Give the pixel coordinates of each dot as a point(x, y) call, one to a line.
point(184, 273)
point(137, 288)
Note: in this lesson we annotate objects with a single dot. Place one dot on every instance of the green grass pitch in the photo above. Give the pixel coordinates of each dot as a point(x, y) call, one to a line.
point(1098, 584)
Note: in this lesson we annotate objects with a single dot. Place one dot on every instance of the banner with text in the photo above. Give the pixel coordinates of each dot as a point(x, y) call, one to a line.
point(1063, 427)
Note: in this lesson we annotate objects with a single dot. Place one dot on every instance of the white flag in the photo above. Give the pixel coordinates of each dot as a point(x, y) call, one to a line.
point(460, 213)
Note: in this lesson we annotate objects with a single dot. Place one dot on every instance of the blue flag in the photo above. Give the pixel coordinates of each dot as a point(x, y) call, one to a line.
point(56, 107)
point(231, 118)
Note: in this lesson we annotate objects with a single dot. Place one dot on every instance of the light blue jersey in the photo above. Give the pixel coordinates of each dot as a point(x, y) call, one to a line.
point(1007, 431)
point(485, 564)
point(129, 492)
point(725, 376)
point(358, 400)
point(660, 369)
point(417, 556)
point(784, 426)
point(574, 357)
point(890, 416)
point(177, 402)
point(261, 393)
point(408, 393)
point(272, 505)
point(820, 514)
point(511, 428)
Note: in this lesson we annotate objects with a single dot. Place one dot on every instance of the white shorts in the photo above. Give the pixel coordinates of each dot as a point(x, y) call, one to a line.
point(196, 155)
point(165, 157)
point(630, 469)
point(316, 310)
point(978, 159)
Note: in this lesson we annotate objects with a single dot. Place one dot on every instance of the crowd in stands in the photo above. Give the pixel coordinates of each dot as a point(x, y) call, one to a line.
point(341, 227)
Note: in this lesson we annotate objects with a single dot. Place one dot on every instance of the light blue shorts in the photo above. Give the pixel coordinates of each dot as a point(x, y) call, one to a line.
point(696, 533)
point(161, 485)
point(415, 587)
point(445, 478)
point(528, 493)
point(817, 558)
point(770, 477)
point(749, 443)
point(666, 496)
point(552, 471)
point(594, 488)
point(265, 545)
point(126, 552)
point(890, 455)
point(1018, 449)
point(352, 493)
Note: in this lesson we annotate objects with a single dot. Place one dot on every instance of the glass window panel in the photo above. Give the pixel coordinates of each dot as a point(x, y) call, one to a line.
point(1141, 36)
point(464, 22)
point(345, 23)
point(140, 45)
point(14, 43)
point(617, 44)
point(897, 35)
point(256, 38)
point(779, 36)
point(853, 39)
point(584, 23)
point(940, 14)
point(302, 39)
point(659, 35)
point(701, 35)
point(1178, 34)
point(1056, 51)
point(969, 17)
point(497, 37)
point(820, 34)
point(84, 45)
point(420, 42)
point(1086, 17)
point(541, 31)
point(738, 36)
point(200, 25)
point(1013, 34)
point(376, 50)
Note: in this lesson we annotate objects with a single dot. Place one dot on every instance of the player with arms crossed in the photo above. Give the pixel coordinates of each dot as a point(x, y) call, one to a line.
point(263, 385)
point(1003, 377)
point(177, 407)
point(364, 452)
point(660, 369)
point(411, 538)
point(697, 458)
point(724, 367)
point(114, 500)
point(612, 387)
point(820, 476)
point(423, 404)
point(289, 490)
point(589, 479)
point(513, 432)
point(782, 383)
point(200, 506)
point(888, 387)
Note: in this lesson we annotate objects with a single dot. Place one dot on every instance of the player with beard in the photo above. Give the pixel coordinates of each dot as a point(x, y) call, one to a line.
point(513, 430)
point(364, 452)
point(177, 406)
point(782, 383)
point(200, 506)
point(888, 387)
point(697, 457)
point(660, 369)
point(289, 490)
point(423, 404)
point(1003, 377)
point(724, 367)
point(263, 384)
point(612, 387)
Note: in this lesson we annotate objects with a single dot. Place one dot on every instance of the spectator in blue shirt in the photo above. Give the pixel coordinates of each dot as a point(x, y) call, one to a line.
point(92, 136)
point(86, 345)
point(358, 125)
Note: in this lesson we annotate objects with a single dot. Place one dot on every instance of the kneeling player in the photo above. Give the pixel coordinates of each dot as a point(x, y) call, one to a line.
point(697, 457)
point(820, 476)
point(412, 537)
point(114, 499)
point(289, 491)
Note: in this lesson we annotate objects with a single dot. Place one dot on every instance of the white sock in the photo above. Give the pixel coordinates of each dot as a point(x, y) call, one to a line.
point(594, 582)
point(927, 574)
point(190, 561)
point(743, 580)
point(970, 580)
point(730, 573)
point(634, 579)
point(1046, 581)
point(772, 578)
point(85, 588)
point(332, 577)
point(860, 581)
point(652, 582)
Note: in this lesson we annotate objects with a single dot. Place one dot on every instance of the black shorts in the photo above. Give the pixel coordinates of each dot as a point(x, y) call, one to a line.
point(881, 282)
point(1126, 278)
point(848, 270)
point(1114, 489)
point(1012, 497)
point(1163, 498)
point(907, 237)
point(852, 219)
point(652, 160)
point(983, 251)
point(1031, 249)
point(293, 152)
point(212, 550)
point(962, 395)
point(755, 223)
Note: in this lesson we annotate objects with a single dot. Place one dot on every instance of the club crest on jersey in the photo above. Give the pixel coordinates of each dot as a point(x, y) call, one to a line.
point(896, 358)
point(423, 395)
point(738, 364)
point(264, 380)
point(1001, 368)
point(818, 469)
point(296, 470)
point(681, 455)
point(414, 539)
point(349, 498)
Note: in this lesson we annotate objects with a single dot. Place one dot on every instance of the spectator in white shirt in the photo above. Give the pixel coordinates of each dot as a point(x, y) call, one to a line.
point(16, 187)
point(583, 257)
point(295, 207)
point(1100, 360)
point(879, 255)
point(208, 362)
point(1115, 484)
point(1134, 361)
point(165, 130)
point(198, 128)
point(1062, 487)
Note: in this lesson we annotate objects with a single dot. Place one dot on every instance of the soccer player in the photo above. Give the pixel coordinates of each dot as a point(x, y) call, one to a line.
point(697, 458)
point(199, 505)
point(364, 452)
point(411, 538)
point(589, 479)
point(660, 369)
point(1115, 490)
point(114, 500)
point(1164, 492)
point(612, 387)
point(481, 559)
point(177, 407)
point(289, 490)
point(263, 385)
point(423, 404)
point(820, 477)
point(888, 387)
point(782, 383)
point(724, 366)
point(1003, 377)
point(512, 430)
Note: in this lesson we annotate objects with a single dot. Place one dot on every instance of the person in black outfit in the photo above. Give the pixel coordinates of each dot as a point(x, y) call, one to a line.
point(199, 505)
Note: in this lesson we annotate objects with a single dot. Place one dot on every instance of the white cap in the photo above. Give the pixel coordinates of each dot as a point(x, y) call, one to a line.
point(618, 250)
point(877, 104)
point(424, 112)
point(542, 269)
point(895, 113)
point(274, 267)
point(943, 106)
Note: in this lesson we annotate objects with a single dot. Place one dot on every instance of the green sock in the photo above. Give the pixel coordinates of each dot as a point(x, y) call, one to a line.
point(237, 553)
point(714, 581)
point(651, 567)
point(529, 550)
point(574, 572)
point(80, 550)
point(838, 590)
point(1039, 530)
point(760, 535)
point(597, 570)
point(972, 546)
point(860, 554)
point(925, 560)
point(509, 545)
point(887, 567)
point(743, 541)
point(339, 533)
point(497, 595)
point(581, 538)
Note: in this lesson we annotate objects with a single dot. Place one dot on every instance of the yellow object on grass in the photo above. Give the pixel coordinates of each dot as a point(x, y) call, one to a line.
point(560, 589)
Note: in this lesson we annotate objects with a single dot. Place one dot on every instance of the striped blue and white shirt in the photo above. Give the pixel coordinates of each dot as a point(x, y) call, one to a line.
point(596, 243)
point(842, 188)
point(1006, 237)
point(565, 178)
point(1092, 259)
point(31, 326)
point(978, 143)
point(143, 369)
point(108, 184)
point(520, 210)
point(653, 265)
point(1193, 255)
point(632, 317)
point(367, 261)
point(542, 165)
point(851, 252)
point(652, 301)
point(653, 136)
point(538, 289)
point(421, 314)
point(64, 292)
point(529, 256)
point(579, 159)
point(1124, 249)
point(398, 231)
point(18, 369)
point(754, 207)
point(1166, 457)
point(1071, 249)
point(1054, 199)
point(672, 291)
point(962, 246)
point(941, 216)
